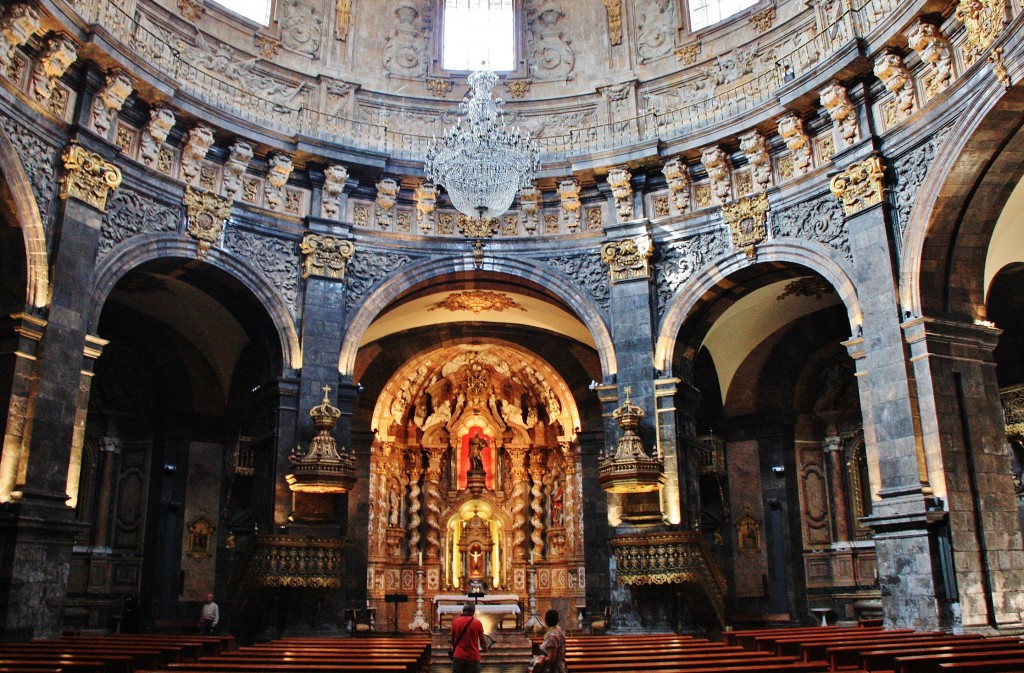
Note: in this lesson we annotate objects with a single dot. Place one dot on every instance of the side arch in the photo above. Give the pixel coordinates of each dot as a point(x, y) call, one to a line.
point(695, 290)
point(144, 249)
point(26, 210)
point(434, 269)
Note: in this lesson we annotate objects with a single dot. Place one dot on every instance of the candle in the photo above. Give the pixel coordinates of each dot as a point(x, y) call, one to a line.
point(421, 557)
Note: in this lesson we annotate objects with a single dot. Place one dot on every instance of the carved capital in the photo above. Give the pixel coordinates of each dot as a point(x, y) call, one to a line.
point(747, 221)
point(88, 177)
point(207, 215)
point(326, 256)
point(109, 100)
point(622, 189)
point(628, 258)
point(836, 101)
point(860, 186)
point(719, 169)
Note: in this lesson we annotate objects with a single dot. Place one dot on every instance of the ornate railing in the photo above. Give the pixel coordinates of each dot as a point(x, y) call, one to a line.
point(1012, 399)
point(721, 105)
point(296, 561)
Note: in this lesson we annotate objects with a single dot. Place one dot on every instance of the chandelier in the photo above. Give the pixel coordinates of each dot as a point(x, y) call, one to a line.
point(481, 160)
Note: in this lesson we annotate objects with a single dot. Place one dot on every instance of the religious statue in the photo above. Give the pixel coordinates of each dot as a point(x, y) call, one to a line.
point(476, 448)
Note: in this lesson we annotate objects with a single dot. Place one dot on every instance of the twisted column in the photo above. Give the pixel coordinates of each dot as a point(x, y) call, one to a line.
point(414, 510)
point(432, 489)
point(518, 501)
point(572, 525)
point(537, 505)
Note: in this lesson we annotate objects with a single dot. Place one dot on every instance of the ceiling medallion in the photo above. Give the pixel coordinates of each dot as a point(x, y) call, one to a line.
point(477, 301)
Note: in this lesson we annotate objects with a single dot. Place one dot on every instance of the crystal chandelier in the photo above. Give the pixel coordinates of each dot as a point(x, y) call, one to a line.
point(481, 160)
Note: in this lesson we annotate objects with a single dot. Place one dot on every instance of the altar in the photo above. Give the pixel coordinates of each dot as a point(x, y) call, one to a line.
point(491, 609)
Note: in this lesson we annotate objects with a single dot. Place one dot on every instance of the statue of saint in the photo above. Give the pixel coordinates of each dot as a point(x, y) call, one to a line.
point(477, 444)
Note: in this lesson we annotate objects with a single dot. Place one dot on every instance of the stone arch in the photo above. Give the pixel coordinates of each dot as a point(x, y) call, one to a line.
point(703, 285)
point(435, 269)
point(144, 249)
point(959, 202)
point(26, 210)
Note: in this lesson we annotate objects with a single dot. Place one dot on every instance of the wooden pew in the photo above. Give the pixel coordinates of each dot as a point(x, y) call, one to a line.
point(885, 660)
point(790, 645)
point(816, 650)
point(997, 666)
point(746, 636)
point(848, 656)
point(929, 663)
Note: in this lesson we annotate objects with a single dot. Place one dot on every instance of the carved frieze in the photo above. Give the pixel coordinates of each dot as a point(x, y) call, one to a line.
point(255, 88)
point(762, 21)
point(909, 172)
point(759, 157)
point(477, 301)
point(860, 186)
point(983, 20)
point(406, 52)
point(279, 169)
point(818, 220)
point(655, 28)
point(679, 260)
point(934, 49)
point(586, 272)
point(569, 195)
point(131, 213)
point(677, 175)
point(301, 26)
point(37, 159)
point(207, 215)
point(426, 203)
point(613, 10)
point(161, 121)
point(109, 100)
point(622, 190)
point(791, 129)
point(747, 221)
point(719, 169)
point(836, 101)
point(550, 55)
point(366, 270)
point(197, 143)
point(60, 53)
point(898, 79)
point(18, 23)
point(235, 166)
point(517, 88)
point(88, 177)
point(688, 53)
point(628, 258)
point(334, 186)
point(326, 256)
point(276, 259)
point(529, 201)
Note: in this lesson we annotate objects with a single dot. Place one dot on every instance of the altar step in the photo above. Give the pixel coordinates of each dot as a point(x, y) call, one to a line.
point(510, 648)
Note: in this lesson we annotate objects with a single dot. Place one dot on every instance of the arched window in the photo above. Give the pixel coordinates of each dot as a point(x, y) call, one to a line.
point(257, 10)
point(478, 33)
point(704, 13)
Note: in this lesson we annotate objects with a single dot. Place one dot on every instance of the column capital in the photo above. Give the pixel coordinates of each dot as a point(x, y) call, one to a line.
point(88, 177)
point(860, 186)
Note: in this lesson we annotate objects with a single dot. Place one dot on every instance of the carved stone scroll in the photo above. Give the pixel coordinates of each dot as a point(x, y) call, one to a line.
point(677, 175)
point(60, 53)
point(109, 101)
point(628, 258)
point(18, 23)
point(791, 128)
point(207, 215)
point(279, 169)
point(755, 146)
point(569, 193)
point(335, 178)
point(898, 79)
point(88, 177)
point(841, 109)
point(934, 49)
point(197, 143)
point(234, 167)
point(719, 169)
point(860, 186)
point(747, 221)
point(161, 121)
point(619, 181)
point(326, 256)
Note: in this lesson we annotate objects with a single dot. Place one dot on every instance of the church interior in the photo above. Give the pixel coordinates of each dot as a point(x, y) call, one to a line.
point(690, 316)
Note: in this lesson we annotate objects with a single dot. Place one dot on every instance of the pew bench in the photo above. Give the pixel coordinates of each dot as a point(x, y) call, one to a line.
point(929, 663)
point(886, 660)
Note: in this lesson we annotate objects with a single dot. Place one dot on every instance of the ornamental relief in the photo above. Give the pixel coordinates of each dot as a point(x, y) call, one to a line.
point(477, 301)
point(860, 186)
point(550, 56)
point(301, 27)
point(407, 53)
point(818, 220)
point(655, 28)
point(909, 172)
point(746, 220)
point(326, 256)
point(129, 214)
point(677, 261)
point(366, 270)
point(207, 214)
point(254, 86)
point(37, 160)
point(587, 273)
point(88, 177)
point(275, 258)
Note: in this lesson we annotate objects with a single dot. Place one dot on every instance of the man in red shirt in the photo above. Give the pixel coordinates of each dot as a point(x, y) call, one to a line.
point(468, 641)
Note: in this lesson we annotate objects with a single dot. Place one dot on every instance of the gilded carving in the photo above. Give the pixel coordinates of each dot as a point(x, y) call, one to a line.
point(474, 227)
point(660, 205)
point(439, 87)
point(197, 143)
point(995, 57)
point(593, 219)
point(108, 101)
point(688, 53)
point(1012, 399)
point(860, 186)
point(334, 186)
point(791, 129)
point(759, 157)
point(763, 20)
point(426, 203)
point(569, 194)
point(517, 88)
point(235, 166)
point(509, 225)
point(326, 256)
point(622, 190)
point(677, 176)
point(550, 223)
point(747, 221)
point(293, 201)
point(719, 169)
point(983, 21)
point(613, 10)
point(88, 177)
point(190, 10)
point(342, 19)
point(124, 138)
point(477, 301)
point(60, 53)
point(628, 258)
point(897, 78)
point(529, 201)
point(279, 169)
point(934, 49)
point(268, 47)
point(18, 23)
point(702, 195)
point(161, 121)
point(207, 215)
point(841, 109)
point(403, 224)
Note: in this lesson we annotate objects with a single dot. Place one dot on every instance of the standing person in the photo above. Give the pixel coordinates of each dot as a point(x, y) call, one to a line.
point(209, 616)
point(468, 641)
point(553, 646)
